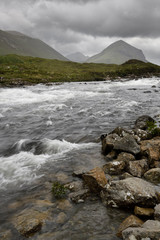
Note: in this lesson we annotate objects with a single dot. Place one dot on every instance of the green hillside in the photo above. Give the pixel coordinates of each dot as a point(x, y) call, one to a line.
point(20, 70)
point(12, 42)
point(118, 53)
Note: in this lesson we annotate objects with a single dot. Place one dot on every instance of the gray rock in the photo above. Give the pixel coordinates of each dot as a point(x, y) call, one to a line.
point(79, 196)
point(108, 143)
point(127, 144)
point(153, 175)
point(138, 168)
point(125, 157)
point(141, 122)
point(114, 167)
point(129, 192)
point(157, 212)
point(150, 229)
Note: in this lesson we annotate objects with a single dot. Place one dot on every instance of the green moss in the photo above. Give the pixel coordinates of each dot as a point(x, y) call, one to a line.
point(58, 190)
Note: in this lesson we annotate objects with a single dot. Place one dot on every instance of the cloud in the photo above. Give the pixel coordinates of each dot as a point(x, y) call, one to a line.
point(84, 24)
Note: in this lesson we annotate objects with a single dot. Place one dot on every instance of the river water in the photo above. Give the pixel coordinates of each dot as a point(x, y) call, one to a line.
point(57, 128)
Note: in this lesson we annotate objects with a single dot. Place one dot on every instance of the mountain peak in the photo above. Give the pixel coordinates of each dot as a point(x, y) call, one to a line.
point(118, 53)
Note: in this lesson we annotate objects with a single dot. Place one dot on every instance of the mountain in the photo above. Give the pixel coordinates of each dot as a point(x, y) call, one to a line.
point(12, 42)
point(77, 57)
point(118, 53)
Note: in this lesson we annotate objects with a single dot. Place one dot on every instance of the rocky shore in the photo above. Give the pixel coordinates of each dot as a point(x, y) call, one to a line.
point(128, 180)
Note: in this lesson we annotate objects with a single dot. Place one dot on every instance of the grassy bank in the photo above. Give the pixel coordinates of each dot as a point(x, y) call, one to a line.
point(19, 70)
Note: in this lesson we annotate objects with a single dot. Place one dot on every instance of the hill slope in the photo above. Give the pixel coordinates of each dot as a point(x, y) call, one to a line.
point(13, 42)
point(118, 53)
point(77, 57)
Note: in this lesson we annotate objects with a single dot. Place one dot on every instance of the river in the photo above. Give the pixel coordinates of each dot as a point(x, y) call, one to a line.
point(55, 129)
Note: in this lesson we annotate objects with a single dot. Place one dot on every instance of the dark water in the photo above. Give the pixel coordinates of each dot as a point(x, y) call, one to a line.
point(50, 129)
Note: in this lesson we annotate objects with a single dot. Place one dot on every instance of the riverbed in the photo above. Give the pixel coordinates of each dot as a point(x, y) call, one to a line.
point(50, 131)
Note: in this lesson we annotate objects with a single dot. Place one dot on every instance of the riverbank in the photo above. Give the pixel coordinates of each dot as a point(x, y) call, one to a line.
point(18, 71)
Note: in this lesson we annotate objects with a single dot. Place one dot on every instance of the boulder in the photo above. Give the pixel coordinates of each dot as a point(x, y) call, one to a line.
point(153, 175)
point(141, 122)
point(149, 230)
point(111, 156)
point(125, 175)
point(138, 168)
point(131, 221)
point(129, 192)
point(157, 212)
point(121, 131)
point(141, 134)
point(125, 157)
point(29, 221)
point(151, 149)
point(127, 144)
point(95, 179)
point(146, 212)
point(121, 144)
point(114, 167)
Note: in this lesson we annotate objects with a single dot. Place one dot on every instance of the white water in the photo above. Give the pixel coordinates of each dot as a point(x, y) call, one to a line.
point(39, 125)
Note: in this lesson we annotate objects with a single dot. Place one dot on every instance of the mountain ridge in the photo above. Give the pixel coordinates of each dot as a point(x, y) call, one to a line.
point(77, 57)
point(12, 42)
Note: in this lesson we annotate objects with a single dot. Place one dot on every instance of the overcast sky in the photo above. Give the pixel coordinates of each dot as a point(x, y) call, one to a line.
point(87, 26)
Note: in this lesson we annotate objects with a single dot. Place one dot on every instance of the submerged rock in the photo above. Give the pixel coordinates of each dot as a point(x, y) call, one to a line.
point(79, 196)
point(129, 192)
point(149, 230)
point(131, 221)
point(95, 179)
point(153, 175)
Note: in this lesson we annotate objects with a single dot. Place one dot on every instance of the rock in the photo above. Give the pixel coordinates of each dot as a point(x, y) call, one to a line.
point(108, 143)
point(125, 157)
point(131, 221)
point(140, 134)
point(149, 230)
point(123, 144)
point(29, 221)
point(127, 144)
point(111, 156)
point(125, 175)
point(64, 204)
point(153, 175)
point(95, 179)
point(61, 218)
point(121, 132)
point(138, 168)
point(114, 167)
point(79, 196)
point(74, 186)
point(157, 212)
point(129, 192)
point(151, 149)
point(147, 212)
point(5, 235)
point(141, 122)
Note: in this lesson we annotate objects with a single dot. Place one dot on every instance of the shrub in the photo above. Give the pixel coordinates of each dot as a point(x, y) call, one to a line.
point(58, 190)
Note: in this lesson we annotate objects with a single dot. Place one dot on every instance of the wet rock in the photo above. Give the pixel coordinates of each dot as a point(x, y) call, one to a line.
point(137, 168)
point(147, 212)
point(111, 156)
point(114, 167)
point(29, 221)
point(149, 230)
point(129, 192)
point(127, 144)
point(80, 196)
point(157, 212)
point(153, 175)
point(121, 132)
point(95, 179)
point(61, 218)
point(131, 221)
point(75, 186)
point(141, 122)
point(125, 157)
point(108, 143)
point(62, 177)
point(151, 149)
point(140, 134)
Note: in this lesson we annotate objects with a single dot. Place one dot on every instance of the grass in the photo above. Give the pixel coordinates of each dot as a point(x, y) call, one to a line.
point(16, 70)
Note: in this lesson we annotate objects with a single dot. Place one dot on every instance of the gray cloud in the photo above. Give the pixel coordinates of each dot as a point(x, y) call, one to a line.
point(84, 24)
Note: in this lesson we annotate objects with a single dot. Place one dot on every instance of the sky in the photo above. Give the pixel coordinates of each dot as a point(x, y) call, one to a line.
point(86, 26)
